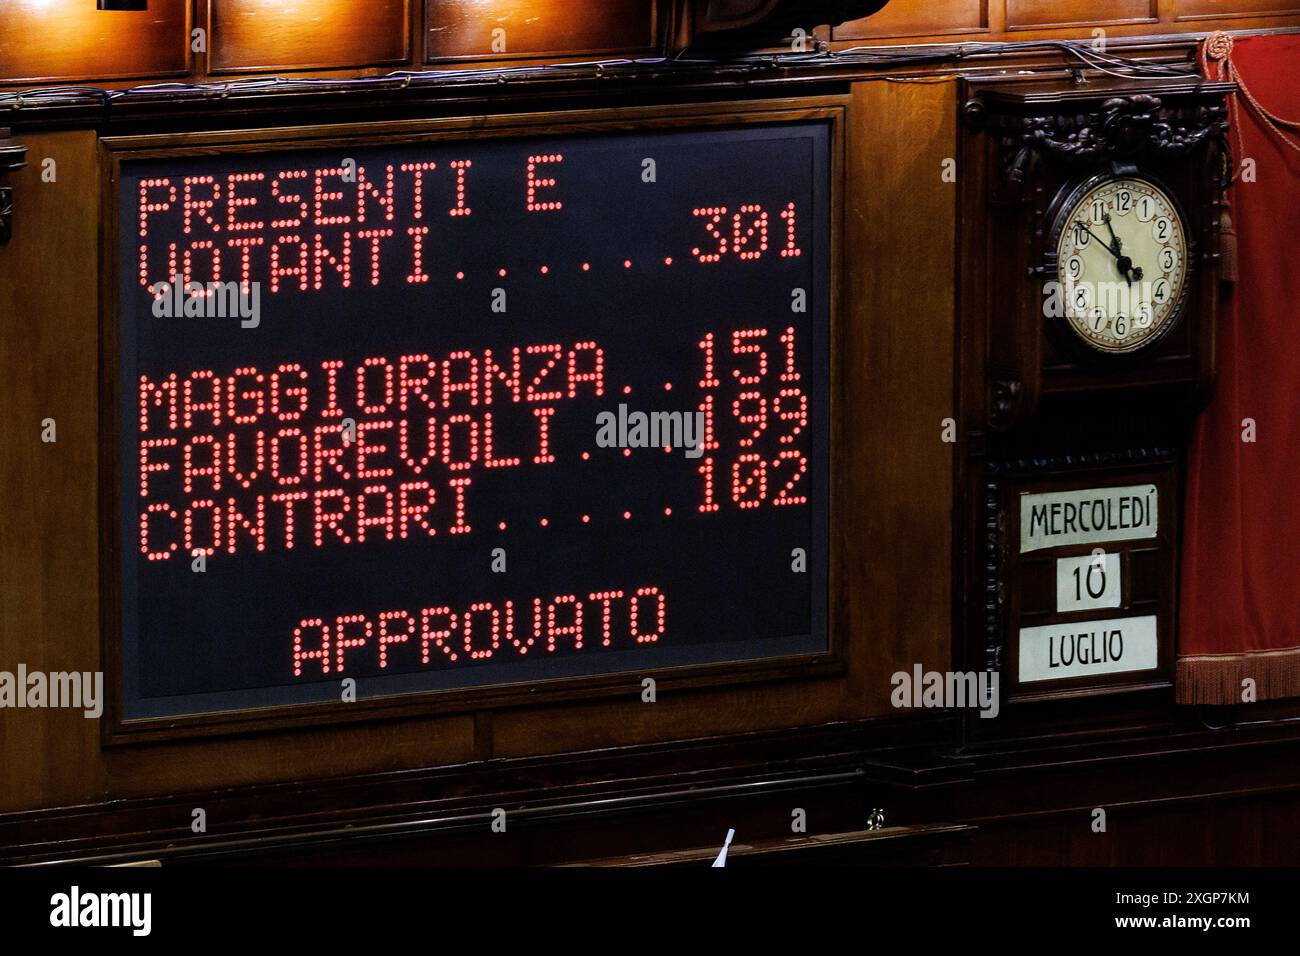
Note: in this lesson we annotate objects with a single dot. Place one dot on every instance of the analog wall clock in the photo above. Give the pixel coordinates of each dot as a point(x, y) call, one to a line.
point(1091, 230)
point(1122, 262)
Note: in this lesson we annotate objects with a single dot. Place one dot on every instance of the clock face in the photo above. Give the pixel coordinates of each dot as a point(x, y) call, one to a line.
point(1121, 264)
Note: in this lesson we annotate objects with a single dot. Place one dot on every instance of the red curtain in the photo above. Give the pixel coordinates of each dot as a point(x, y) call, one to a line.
point(1239, 612)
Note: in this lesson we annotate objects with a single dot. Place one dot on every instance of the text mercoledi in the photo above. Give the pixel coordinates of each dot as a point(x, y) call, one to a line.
point(1106, 513)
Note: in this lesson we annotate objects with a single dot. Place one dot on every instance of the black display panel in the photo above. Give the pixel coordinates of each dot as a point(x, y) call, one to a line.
point(462, 413)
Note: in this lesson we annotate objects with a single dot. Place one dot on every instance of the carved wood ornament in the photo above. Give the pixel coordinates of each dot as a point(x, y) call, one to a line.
point(1123, 128)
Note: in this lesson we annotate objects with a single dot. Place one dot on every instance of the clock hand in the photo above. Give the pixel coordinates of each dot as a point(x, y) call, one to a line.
point(1084, 226)
point(1122, 262)
point(1115, 244)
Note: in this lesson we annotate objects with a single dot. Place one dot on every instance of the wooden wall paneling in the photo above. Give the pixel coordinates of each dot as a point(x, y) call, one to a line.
point(300, 755)
point(952, 21)
point(917, 18)
point(270, 35)
point(467, 29)
point(1206, 9)
point(675, 715)
point(1026, 14)
point(67, 41)
point(48, 578)
point(900, 262)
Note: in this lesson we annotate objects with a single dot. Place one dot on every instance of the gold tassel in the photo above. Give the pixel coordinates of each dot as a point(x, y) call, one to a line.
point(1227, 247)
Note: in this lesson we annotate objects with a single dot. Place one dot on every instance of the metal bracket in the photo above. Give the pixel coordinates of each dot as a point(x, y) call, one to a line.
point(6, 213)
point(13, 156)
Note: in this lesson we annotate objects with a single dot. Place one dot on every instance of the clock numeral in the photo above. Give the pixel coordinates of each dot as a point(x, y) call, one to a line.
point(1168, 259)
point(1074, 267)
point(1145, 315)
point(1098, 321)
point(1162, 230)
point(1120, 326)
point(1160, 291)
point(1081, 235)
point(1123, 201)
point(1146, 209)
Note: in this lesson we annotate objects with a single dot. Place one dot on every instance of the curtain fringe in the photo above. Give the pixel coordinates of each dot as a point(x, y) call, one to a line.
point(1217, 679)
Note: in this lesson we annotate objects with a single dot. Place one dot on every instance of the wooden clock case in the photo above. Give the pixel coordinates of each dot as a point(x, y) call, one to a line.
point(1042, 411)
point(1031, 146)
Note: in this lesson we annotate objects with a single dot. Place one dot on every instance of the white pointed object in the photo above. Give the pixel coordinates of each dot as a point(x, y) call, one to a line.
point(722, 857)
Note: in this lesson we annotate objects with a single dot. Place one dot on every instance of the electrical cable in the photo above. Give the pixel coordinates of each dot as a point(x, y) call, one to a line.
point(1083, 52)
